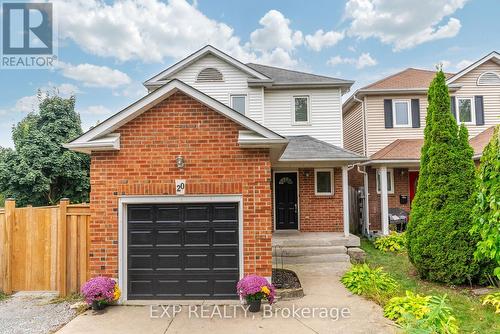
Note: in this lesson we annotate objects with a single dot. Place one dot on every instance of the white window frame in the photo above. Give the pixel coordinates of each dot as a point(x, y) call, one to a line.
point(389, 182)
point(332, 190)
point(294, 121)
point(472, 109)
point(408, 103)
point(239, 95)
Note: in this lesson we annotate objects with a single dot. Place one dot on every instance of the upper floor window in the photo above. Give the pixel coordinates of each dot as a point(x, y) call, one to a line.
point(209, 74)
point(465, 110)
point(390, 181)
point(301, 110)
point(402, 113)
point(239, 103)
point(488, 79)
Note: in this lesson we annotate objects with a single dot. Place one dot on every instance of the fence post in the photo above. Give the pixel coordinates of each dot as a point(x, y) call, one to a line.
point(10, 207)
point(62, 247)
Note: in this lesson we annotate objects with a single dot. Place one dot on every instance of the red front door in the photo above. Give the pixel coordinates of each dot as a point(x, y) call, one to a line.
point(413, 179)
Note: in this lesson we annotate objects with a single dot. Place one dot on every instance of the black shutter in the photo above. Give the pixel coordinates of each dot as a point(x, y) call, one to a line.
point(415, 113)
point(453, 111)
point(478, 100)
point(388, 113)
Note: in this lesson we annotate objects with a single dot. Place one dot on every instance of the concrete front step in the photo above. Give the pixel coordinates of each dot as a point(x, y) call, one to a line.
point(313, 239)
point(323, 258)
point(307, 251)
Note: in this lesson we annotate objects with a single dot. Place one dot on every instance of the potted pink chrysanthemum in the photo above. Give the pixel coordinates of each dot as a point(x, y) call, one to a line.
point(254, 289)
point(100, 292)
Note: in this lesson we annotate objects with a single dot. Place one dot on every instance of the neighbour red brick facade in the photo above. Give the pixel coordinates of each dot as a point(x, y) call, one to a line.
point(401, 187)
point(319, 213)
point(215, 164)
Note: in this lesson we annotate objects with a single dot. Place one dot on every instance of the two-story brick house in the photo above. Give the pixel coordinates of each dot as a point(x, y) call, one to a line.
point(385, 121)
point(190, 182)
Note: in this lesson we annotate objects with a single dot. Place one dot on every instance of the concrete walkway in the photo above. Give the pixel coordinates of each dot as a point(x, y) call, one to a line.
point(322, 289)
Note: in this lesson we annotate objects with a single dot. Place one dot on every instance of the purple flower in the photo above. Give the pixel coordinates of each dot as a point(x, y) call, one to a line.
point(252, 284)
point(99, 289)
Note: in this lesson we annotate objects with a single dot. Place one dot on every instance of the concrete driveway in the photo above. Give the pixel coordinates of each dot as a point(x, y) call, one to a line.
point(335, 311)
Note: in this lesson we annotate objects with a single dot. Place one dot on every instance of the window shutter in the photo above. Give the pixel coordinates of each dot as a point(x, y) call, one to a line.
point(388, 113)
point(478, 100)
point(453, 111)
point(415, 113)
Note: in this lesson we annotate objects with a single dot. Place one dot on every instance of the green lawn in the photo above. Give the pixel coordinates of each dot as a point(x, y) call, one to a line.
point(471, 315)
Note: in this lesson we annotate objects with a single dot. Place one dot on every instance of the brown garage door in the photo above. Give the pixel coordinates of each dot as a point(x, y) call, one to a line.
point(182, 251)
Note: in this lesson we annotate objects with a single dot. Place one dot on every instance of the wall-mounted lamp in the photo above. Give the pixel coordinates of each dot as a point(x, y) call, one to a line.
point(179, 161)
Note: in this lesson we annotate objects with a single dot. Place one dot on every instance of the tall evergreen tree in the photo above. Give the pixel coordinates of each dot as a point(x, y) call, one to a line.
point(439, 244)
point(39, 171)
point(487, 204)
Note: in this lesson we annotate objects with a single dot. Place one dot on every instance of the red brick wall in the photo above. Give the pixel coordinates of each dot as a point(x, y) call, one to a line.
point(356, 179)
point(320, 213)
point(215, 164)
point(401, 187)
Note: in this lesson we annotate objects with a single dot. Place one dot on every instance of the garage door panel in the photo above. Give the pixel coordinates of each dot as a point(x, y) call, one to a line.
point(225, 237)
point(184, 251)
point(169, 262)
point(140, 213)
point(169, 238)
point(225, 212)
point(197, 238)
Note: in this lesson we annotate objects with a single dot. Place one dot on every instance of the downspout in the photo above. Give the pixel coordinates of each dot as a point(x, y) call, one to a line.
point(365, 182)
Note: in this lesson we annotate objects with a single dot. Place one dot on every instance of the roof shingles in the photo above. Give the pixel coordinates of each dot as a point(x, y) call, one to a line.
point(307, 148)
point(411, 78)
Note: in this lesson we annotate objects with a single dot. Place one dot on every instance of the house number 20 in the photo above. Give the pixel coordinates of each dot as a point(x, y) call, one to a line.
point(180, 187)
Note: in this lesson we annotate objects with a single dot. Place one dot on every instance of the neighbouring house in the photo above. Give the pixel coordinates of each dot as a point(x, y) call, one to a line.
point(189, 183)
point(385, 121)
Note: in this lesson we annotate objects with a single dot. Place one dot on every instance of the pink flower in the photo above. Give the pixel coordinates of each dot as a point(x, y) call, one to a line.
point(252, 284)
point(100, 289)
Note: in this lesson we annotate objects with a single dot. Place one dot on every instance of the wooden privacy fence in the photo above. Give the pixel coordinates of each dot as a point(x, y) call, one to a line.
point(44, 248)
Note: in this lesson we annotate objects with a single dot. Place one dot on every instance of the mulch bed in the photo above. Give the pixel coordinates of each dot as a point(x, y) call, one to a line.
point(285, 279)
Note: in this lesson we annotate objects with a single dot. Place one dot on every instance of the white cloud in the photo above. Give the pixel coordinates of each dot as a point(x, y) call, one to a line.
point(152, 30)
point(94, 76)
point(322, 39)
point(463, 64)
point(395, 22)
point(96, 110)
point(364, 60)
point(445, 63)
point(275, 33)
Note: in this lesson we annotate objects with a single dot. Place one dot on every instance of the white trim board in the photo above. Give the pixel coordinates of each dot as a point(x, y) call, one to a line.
point(145, 103)
point(123, 201)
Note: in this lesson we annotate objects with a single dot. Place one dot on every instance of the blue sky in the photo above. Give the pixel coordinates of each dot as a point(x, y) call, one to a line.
point(107, 49)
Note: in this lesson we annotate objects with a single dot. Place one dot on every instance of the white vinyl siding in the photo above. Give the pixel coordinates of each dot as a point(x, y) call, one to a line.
point(490, 93)
point(325, 118)
point(378, 136)
point(235, 83)
point(353, 129)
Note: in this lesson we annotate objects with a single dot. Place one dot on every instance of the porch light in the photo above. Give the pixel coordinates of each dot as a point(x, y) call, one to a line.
point(179, 161)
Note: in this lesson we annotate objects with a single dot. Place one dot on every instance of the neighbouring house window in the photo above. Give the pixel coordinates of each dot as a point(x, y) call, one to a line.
point(323, 181)
point(465, 111)
point(402, 113)
point(239, 103)
point(390, 181)
point(301, 109)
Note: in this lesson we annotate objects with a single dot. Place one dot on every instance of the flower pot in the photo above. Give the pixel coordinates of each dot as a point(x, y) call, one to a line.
point(254, 305)
point(98, 305)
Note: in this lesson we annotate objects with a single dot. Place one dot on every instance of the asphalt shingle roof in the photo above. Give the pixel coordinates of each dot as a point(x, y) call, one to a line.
point(283, 76)
point(307, 148)
point(410, 78)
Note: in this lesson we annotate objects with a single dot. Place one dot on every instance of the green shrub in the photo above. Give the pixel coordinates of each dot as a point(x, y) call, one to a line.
point(438, 320)
point(394, 242)
point(493, 300)
point(413, 304)
point(439, 243)
point(487, 205)
point(373, 283)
